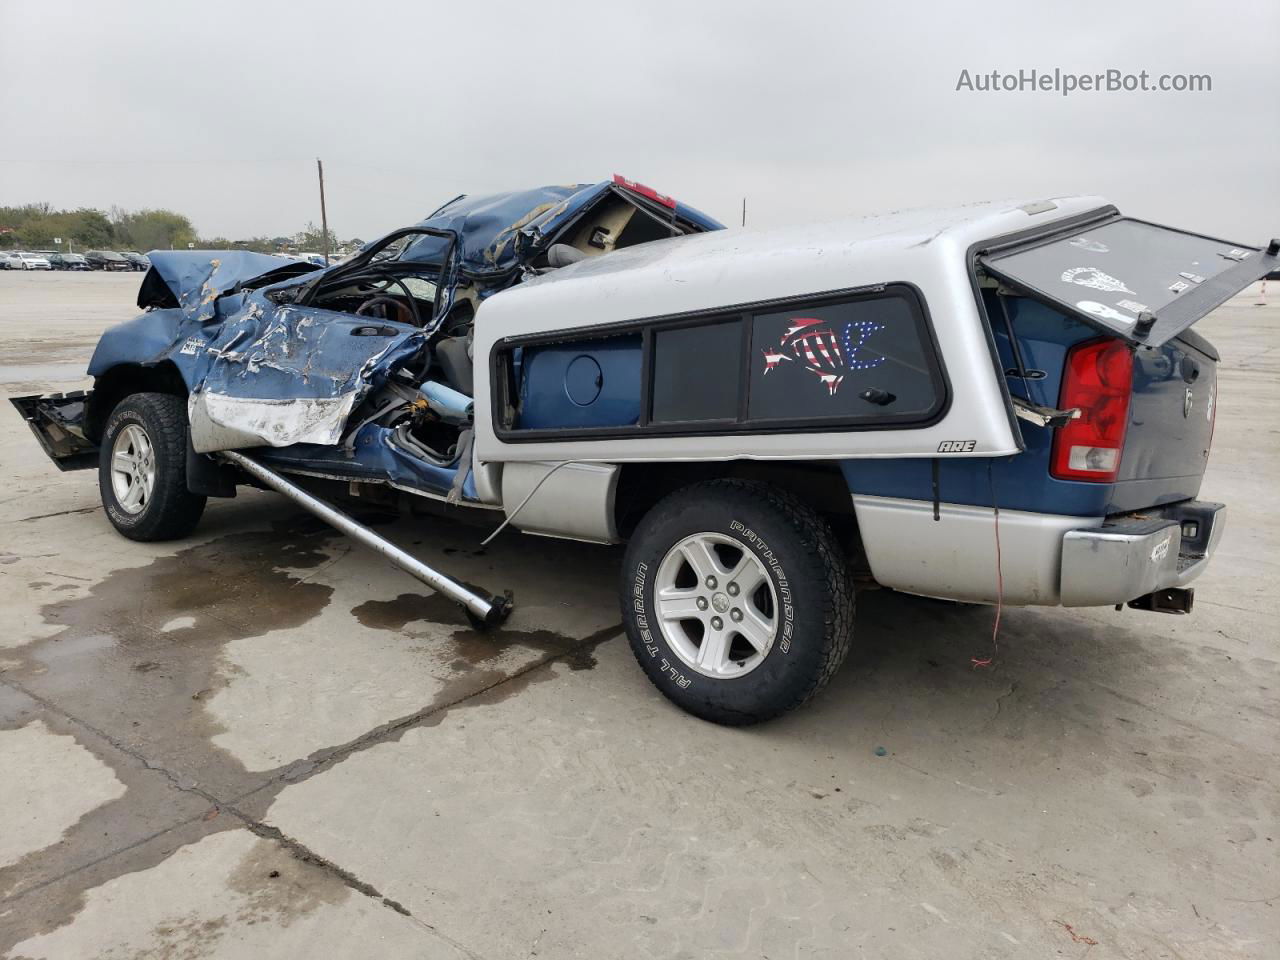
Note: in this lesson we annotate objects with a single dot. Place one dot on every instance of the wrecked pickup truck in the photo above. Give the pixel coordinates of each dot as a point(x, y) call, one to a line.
point(999, 403)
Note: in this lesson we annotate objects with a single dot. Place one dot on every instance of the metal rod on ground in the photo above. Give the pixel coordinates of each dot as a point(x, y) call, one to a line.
point(488, 610)
point(324, 217)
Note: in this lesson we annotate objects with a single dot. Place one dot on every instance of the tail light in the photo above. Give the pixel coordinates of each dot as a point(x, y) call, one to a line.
point(1098, 380)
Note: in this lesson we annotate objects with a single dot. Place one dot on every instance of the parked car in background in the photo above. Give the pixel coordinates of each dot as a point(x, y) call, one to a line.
point(106, 260)
point(28, 261)
point(137, 261)
point(9, 261)
point(68, 261)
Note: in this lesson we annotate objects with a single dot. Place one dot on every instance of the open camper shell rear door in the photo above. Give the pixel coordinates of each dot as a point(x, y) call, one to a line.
point(1136, 280)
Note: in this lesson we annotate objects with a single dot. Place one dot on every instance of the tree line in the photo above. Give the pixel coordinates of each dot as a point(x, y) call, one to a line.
point(35, 226)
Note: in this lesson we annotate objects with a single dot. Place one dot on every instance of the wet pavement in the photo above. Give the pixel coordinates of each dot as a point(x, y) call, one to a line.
point(264, 741)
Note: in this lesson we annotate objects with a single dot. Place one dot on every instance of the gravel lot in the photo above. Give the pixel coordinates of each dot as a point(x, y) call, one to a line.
point(264, 741)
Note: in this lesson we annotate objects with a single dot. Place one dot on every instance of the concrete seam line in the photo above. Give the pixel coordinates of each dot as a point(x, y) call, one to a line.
point(295, 849)
point(384, 732)
point(14, 897)
point(60, 513)
point(267, 832)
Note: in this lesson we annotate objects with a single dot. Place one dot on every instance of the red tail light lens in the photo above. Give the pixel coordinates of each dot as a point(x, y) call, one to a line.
point(1098, 380)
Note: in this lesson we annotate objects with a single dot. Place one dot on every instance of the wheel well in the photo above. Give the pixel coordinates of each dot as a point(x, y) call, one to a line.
point(819, 483)
point(120, 381)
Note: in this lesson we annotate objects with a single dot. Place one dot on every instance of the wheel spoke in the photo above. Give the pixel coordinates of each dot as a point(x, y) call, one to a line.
point(678, 604)
point(133, 496)
point(123, 462)
point(715, 645)
point(703, 559)
point(748, 575)
point(756, 630)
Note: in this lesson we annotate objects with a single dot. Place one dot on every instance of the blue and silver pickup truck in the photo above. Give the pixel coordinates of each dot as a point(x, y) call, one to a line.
point(1002, 403)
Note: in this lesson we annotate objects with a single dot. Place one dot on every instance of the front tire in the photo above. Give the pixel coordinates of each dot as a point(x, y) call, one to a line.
point(737, 600)
point(142, 470)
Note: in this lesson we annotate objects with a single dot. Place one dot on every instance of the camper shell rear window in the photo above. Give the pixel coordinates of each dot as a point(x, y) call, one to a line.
point(1138, 280)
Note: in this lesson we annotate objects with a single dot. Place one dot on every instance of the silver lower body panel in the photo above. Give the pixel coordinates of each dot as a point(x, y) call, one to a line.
point(1045, 559)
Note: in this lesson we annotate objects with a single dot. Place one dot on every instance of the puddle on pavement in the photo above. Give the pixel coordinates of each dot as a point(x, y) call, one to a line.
point(140, 654)
point(279, 888)
point(42, 372)
point(137, 656)
point(472, 648)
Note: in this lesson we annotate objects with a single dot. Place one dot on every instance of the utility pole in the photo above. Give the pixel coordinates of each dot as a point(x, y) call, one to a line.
point(744, 211)
point(324, 217)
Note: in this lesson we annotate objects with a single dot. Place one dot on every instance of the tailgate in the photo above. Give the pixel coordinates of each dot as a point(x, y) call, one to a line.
point(1132, 279)
point(57, 420)
point(1170, 422)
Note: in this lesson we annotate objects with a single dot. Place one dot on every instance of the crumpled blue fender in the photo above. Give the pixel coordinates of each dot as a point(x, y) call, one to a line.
point(196, 278)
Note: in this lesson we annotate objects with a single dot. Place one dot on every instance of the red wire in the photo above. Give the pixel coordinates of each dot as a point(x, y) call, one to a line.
point(995, 630)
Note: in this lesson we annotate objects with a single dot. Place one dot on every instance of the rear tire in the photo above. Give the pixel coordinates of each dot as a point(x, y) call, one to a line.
point(142, 470)
point(737, 600)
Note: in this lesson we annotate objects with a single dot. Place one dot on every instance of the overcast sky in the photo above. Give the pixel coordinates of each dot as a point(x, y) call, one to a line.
point(219, 109)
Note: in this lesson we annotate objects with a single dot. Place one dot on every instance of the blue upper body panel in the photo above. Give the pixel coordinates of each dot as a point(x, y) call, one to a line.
point(499, 231)
point(1023, 482)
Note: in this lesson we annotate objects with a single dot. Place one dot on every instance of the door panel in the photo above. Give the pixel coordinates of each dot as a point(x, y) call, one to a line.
point(280, 375)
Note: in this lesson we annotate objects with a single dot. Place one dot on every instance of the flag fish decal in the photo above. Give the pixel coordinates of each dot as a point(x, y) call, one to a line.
point(772, 358)
point(823, 352)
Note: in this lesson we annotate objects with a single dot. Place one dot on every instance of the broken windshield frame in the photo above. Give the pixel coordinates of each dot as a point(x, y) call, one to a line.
point(390, 266)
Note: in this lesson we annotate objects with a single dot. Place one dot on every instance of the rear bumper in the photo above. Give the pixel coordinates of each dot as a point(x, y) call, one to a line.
point(1044, 559)
point(1131, 556)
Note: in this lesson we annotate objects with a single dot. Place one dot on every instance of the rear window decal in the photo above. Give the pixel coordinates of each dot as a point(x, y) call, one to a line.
point(824, 353)
point(1095, 279)
point(1092, 246)
point(803, 361)
point(1104, 312)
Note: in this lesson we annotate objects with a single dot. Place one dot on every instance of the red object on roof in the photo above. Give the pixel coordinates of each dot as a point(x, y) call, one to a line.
point(644, 191)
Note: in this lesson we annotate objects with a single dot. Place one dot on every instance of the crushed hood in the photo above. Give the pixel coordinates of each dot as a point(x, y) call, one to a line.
point(193, 279)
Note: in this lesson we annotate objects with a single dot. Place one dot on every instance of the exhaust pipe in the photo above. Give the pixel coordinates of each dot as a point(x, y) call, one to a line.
point(483, 611)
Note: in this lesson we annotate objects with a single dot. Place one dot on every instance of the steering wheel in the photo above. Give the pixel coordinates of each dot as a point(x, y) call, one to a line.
point(362, 310)
point(391, 278)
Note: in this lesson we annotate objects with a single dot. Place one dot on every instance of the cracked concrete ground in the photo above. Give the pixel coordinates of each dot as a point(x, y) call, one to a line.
point(263, 741)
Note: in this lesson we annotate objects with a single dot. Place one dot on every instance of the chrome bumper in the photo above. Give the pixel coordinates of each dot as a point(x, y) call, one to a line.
point(1133, 555)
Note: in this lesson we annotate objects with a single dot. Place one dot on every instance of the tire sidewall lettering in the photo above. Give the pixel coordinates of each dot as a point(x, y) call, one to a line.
point(786, 603)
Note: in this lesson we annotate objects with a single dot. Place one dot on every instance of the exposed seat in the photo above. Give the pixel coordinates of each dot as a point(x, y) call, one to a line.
point(454, 356)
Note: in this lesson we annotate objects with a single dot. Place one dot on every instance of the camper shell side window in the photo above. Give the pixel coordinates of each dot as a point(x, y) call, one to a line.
point(862, 359)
